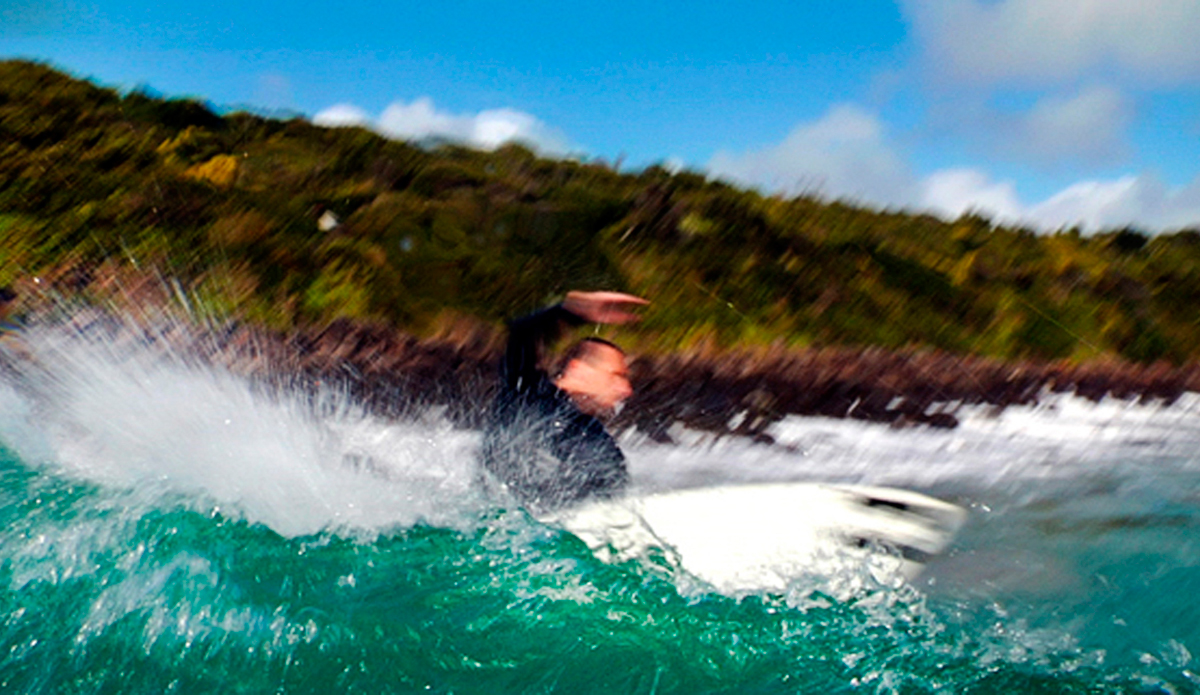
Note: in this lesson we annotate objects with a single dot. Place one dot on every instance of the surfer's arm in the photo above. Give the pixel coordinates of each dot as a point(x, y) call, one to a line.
point(528, 337)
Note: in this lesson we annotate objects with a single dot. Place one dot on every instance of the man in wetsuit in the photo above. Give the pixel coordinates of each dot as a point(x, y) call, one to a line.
point(545, 440)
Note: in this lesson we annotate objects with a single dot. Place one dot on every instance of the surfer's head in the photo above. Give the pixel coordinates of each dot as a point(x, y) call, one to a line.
point(595, 375)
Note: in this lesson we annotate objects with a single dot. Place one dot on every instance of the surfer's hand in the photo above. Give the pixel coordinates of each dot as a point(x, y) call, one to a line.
point(603, 307)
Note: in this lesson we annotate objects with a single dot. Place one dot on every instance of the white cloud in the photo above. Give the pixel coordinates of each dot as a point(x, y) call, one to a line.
point(341, 115)
point(497, 126)
point(848, 153)
point(1052, 40)
point(1089, 126)
point(1092, 204)
point(952, 192)
point(1142, 201)
point(843, 154)
point(420, 119)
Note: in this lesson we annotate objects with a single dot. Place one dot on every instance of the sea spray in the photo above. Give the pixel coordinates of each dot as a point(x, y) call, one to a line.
point(131, 413)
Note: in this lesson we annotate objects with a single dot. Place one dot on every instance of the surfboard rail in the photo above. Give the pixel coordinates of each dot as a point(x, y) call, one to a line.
point(760, 537)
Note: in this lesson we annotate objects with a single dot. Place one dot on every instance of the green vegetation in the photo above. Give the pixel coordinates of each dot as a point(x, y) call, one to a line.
point(92, 180)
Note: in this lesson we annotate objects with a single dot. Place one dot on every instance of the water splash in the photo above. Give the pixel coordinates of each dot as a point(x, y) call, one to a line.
point(132, 412)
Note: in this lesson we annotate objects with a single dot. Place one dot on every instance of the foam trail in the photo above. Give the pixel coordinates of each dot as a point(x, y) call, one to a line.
point(1065, 439)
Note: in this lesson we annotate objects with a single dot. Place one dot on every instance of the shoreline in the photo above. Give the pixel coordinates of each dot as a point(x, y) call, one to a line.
point(739, 392)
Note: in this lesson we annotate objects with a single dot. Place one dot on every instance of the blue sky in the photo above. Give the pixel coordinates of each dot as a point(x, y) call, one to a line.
point(1044, 112)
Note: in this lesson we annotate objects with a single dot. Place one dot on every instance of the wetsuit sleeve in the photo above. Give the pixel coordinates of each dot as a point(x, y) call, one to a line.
point(528, 337)
point(596, 465)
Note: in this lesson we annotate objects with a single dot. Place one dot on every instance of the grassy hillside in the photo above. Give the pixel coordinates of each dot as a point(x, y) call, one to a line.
point(93, 180)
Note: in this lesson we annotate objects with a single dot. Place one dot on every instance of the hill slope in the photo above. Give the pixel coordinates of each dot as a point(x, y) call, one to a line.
point(239, 208)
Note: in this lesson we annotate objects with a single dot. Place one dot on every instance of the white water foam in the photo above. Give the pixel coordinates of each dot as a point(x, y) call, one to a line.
point(1062, 438)
point(132, 415)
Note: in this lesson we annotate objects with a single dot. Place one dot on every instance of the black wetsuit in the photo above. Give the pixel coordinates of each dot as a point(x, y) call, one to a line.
point(538, 443)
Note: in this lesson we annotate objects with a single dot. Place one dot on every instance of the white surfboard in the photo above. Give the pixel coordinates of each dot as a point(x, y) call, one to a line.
point(747, 538)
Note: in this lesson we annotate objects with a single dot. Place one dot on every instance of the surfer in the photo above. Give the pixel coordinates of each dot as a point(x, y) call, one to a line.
point(545, 440)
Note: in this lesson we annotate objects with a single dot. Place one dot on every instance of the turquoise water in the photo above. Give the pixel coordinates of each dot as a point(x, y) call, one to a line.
point(146, 546)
